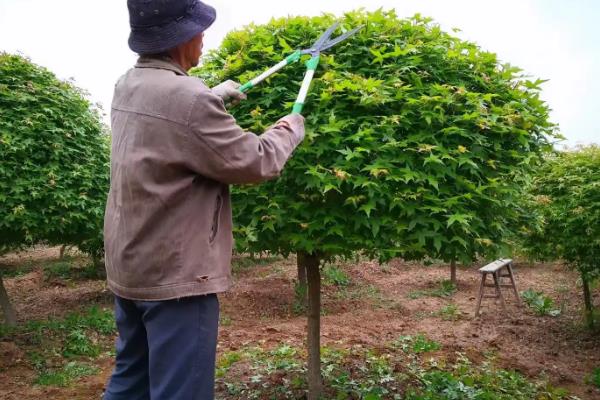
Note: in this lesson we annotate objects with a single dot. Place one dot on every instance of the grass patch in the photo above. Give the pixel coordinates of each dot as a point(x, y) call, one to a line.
point(66, 375)
point(240, 264)
point(60, 345)
point(67, 269)
point(594, 378)
point(300, 298)
point(224, 320)
point(444, 289)
point(78, 342)
point(335, 276)
point(449, 312)
point(360, 292)
point(416, 344)
point(17, 271)
point(70, 270)
point(374, 374)
point(58, 270)
point(226, 360)
point(100, 320)
point(369, 293)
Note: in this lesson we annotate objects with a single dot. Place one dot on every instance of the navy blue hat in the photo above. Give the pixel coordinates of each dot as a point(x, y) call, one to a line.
point(160, 25)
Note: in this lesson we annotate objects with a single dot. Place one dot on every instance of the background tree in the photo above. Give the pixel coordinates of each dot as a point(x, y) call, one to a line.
point(416, 145)
point(564, 223)
point(54, 174)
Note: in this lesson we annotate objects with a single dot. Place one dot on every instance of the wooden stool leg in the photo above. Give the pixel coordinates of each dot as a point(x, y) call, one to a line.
point(514, 283)
point(498, 291)
point(481, 288)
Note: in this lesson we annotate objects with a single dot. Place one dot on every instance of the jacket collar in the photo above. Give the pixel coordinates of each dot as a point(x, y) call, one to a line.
point(159, 63)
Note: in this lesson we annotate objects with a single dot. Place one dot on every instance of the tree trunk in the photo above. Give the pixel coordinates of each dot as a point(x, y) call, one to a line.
point(301, 270)
point(301, 290)
point(313, 274)
point(453, 272)
point(10, 317)
point(587, 300)
point(62, 251)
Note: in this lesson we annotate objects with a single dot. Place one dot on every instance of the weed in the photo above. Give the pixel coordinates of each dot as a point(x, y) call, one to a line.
point(64, 376)
point(333, 275)
point(300, 298)
point(364, 373)
point(6, 331)
point(58, 270)
point(224, 320)
point(449, 312)
point(416, 344)
point(226, 360)
point(360, 292)
point(74, 336)
point(594, 378)
point(17, 271)
point(240, 264)
point(541, 304)
point(445, 289)
point(78, 343)
point(37, 360)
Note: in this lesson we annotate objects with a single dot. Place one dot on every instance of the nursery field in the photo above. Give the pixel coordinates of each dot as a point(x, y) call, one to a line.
point(392, 331)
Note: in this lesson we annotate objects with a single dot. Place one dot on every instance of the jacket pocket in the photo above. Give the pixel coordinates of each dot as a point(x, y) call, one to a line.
point(214, 228)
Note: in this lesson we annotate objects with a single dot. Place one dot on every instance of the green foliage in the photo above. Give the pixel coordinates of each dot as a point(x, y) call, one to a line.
point(242, 263)
point(565, 199)
point(94, 319)
point(54, 174)
point(417, 344)
point(564, 204)
point(445, 289)
point(468, 383)
point(224, 319)
point(16, 271)
point(594, 378)
point(364, 373)
point(542, 305)
point(61, 269)
point(300, 298)
point(333, 275)
point(78, 343)
point(449, 312)
point(69, 270)
point(60, 345)
point(417, 142)
point(226, 361)
point(363, 292)
point(64, 376)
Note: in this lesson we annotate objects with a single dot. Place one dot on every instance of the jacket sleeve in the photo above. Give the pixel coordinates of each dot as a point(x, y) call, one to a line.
point(221, 150)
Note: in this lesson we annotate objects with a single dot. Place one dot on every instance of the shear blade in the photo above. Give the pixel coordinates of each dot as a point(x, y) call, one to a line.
point(325, 36)
point(341, 38)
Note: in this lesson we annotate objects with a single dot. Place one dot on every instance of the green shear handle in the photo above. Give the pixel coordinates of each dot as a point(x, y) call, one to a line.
point(320, 45)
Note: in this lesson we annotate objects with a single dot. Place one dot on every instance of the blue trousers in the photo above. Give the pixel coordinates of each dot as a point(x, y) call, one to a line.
point(165, 349)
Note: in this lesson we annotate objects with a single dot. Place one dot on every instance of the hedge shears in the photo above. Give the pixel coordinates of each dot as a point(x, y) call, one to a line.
point(323, 43)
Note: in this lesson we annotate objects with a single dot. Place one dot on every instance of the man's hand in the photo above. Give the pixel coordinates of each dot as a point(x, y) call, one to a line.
point(229, 92)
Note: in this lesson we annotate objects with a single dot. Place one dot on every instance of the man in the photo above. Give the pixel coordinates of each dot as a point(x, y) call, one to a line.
point(168, 228)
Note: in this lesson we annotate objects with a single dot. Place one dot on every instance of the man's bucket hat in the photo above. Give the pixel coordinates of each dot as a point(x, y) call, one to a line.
point(160, 25)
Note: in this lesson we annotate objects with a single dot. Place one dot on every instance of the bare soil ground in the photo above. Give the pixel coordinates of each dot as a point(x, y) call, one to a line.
point(381, 304)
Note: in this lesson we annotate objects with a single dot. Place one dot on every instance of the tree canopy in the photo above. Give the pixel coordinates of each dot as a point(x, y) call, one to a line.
point(417, 141)
point(54, 175)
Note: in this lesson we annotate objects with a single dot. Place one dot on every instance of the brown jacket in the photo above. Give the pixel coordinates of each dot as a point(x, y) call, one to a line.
point(175, 149)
